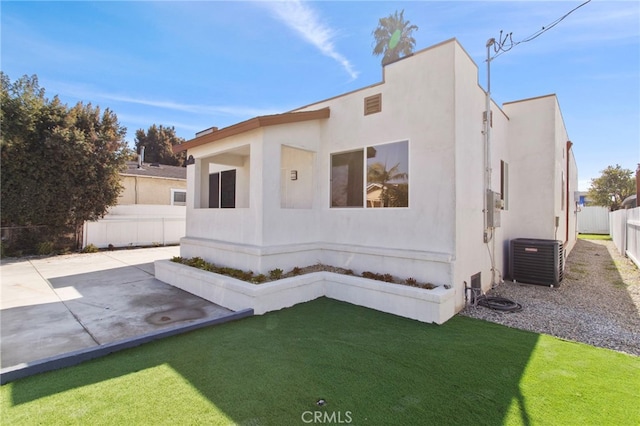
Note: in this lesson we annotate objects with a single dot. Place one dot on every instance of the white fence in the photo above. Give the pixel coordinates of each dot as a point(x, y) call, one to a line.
point(593, 220)
point(625, 232)
point(137, 225)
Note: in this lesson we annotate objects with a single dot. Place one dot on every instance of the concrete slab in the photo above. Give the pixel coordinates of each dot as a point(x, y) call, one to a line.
point(22, 285)
point(61, 304)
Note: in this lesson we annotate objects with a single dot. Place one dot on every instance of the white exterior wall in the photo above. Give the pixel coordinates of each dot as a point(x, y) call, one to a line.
point(538, 153)
point(406, 115)
point(534, 182)
point(433, 101)
point(266, 235)
point(239, 224)
point(472, 255)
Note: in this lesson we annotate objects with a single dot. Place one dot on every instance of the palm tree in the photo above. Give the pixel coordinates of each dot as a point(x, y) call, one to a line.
point(393, 38)
point(393, 194)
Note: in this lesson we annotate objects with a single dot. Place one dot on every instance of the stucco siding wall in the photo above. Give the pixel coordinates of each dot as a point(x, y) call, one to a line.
point(416, 107)
point(472, 255)
point(148, 190)
point(242, 224)
point(534, 180)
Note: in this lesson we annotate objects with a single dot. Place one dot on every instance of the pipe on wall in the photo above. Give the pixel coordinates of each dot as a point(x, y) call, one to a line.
point(566, 239)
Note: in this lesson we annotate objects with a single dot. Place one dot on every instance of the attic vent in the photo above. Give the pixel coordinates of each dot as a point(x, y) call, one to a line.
point(373, 104)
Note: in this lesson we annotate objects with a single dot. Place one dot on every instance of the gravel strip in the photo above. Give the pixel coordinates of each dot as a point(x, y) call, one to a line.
point(597, 302)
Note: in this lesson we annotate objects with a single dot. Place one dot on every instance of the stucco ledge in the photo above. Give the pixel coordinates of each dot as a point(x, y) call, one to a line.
point(431, 306)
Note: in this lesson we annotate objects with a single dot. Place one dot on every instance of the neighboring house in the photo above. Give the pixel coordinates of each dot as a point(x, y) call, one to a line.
point(389, 178)
point(583, 198)
point(150, 211)
point(153, 183)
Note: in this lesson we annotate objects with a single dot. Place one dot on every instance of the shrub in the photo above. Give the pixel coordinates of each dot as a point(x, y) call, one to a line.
point(247, 276)
point(90, 249)
point(196, 262)
point(370, 275)
point(258, 279)
point(44, 248)
point(275, 274)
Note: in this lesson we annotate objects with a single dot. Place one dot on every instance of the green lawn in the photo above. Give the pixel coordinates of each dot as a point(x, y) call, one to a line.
point(370, 367)
point(594, 237)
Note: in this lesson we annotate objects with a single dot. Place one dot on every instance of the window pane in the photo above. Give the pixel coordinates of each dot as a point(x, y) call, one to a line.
point(179, 197)
point(228, 189)
point(388, 175)
point(347, 179)
point(214, 190)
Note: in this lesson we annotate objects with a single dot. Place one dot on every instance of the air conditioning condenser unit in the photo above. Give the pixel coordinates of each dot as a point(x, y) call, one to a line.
point(536, 261)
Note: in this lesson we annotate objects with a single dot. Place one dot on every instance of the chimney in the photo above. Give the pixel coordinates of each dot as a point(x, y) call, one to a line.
point(206, 131)
point(141, 157)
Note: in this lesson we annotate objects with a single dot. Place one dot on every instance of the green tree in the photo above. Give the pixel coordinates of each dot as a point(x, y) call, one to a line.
point(612, 187)
point(60, 165)
point(158, 142)
point(393, 194)
point(393, 38)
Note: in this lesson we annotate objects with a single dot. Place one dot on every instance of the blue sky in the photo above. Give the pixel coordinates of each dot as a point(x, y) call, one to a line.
point(193, 65)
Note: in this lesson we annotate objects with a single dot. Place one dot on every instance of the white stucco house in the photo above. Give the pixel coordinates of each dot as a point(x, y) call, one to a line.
point(391, 178)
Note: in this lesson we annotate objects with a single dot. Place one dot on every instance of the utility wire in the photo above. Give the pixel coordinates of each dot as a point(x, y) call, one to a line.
point(505, 43)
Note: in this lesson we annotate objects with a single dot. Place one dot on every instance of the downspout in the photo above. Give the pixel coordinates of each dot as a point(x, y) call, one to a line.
point(566, 240)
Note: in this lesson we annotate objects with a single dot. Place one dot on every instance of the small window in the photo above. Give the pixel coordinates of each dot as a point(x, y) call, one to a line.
point(373, 104)
point(178, 197)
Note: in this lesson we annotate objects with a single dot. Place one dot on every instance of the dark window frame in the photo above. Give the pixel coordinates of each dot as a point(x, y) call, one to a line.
point(222, 189)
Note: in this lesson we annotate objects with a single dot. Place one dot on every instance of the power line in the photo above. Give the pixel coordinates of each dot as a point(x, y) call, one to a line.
point(505, 42)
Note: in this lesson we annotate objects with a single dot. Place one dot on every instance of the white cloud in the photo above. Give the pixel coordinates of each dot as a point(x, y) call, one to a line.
point(192, 108)
point(306, 22)
point(81, 91)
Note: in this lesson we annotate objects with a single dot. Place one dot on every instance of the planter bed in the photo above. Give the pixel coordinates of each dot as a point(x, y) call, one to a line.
point(436, 305)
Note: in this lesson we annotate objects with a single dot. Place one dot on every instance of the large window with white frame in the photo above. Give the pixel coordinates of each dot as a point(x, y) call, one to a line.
point(384, 182)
